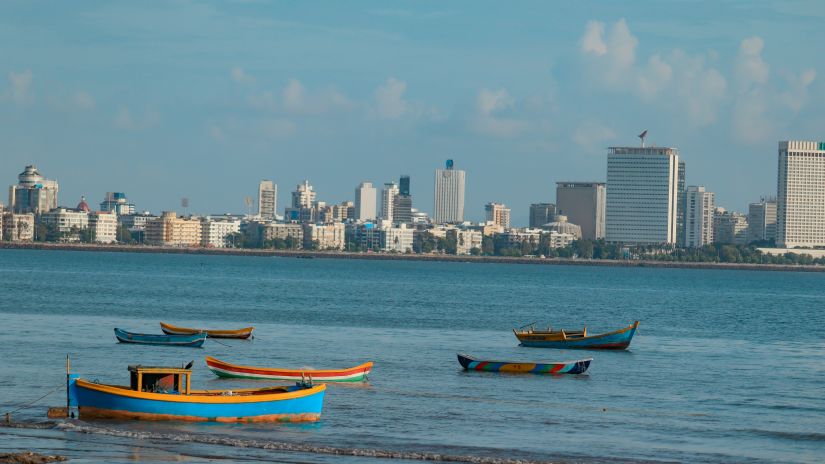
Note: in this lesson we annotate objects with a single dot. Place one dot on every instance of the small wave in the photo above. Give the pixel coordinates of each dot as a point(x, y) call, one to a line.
point(795, 436)
point(293, 447)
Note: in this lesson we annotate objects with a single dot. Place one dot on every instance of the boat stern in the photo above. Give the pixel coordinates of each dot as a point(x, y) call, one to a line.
point(71, 395)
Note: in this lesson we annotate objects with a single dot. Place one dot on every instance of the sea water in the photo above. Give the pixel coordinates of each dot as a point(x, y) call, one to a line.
point(725, 366)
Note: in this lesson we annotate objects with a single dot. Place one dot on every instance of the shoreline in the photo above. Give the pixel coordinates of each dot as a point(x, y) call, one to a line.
point(406, 257)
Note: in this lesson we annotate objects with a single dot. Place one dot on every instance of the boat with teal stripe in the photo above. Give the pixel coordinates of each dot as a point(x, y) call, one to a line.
point(578, 366)
point(194, 340)
point(576, 339)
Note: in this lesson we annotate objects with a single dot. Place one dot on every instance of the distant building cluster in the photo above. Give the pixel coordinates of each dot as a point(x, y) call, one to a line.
point(645, 200)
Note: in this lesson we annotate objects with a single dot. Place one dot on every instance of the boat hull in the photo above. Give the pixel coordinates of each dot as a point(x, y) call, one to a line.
point(191, 340)
point(237, 334)
point(227, 370)
point(618, 340)
point(578, 366)
point(96, 401)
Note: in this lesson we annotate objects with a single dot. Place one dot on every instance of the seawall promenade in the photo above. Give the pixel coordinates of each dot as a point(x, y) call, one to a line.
point(408, 257)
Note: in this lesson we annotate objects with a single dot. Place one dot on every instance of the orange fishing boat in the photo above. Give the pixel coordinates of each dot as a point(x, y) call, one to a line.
point(244, 333)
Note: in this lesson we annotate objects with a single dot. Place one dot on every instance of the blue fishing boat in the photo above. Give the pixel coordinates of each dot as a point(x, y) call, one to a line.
point(577, 339)
point(578, 366)
point(164, 393)
point(193, 340)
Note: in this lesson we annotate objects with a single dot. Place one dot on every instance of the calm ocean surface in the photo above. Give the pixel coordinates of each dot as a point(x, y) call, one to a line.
point(727, 366)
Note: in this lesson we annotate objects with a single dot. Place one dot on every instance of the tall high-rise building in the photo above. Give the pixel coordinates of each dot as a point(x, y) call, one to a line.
point(303, 196)
point(762, 220)
point(700, 206)
point(402, 210)
point(541, 214)
point(365, 202)
point(800, 196)
point(681, 188)
point(33, 193)
point(584, 204)
point(404, 185)
point(267, 199)
point(642, 193)
point(498, 214)
point(449, 194)
point(388, 194)
point(116, 202)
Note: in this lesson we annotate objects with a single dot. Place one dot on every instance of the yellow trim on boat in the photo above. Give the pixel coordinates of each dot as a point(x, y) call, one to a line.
point(251, 395)
point(174, 328)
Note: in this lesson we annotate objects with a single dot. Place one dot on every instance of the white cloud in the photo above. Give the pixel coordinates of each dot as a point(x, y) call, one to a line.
point(21, 85)
point(216, 133)
point(611, 56)
point(389, 99)
point(263, 101)
point(593, 40)
point(654, 77)
point(278, 128)
point(240, 76)
point(796, 95)
point(592, 135)
point(294, 96)
point(489, 121)
point(82, 100)
point(750, 67)
point(125, 119)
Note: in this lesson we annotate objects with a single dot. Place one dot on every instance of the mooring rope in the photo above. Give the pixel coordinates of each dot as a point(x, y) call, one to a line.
point(26, 405)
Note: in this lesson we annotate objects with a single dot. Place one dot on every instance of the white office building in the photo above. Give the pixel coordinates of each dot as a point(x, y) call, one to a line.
point(584, 204)
point(762, 220)
point(388, 195)
point(800, 194)
point(449, 195)
point(303, 196)
point(365, 202)
point(642, 193)
point(498, 214)
point(103, 225)
point(700, 207)
point(267, 199)
point(214, 231)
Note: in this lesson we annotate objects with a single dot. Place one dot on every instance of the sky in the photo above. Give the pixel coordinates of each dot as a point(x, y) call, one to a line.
point(172, 99)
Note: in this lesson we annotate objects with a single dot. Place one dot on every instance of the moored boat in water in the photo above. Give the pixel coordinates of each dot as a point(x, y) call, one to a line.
point(577, 339)
point(164, 393)
point(194, 340)
point(578, 366)
point(246, 332)
point(224, 369)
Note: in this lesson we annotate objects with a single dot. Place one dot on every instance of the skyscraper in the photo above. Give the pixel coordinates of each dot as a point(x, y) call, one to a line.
point(800, 195)
point(303, 196)
point(33, 193)
point(267, 199)
point(498, 214)
point(642, 193)
point(584, 205)
point(762, 220)
point(680, 205)
point(700, 208)
point(388, 194)
point(449, 194)
point(541, 214)
point(402, 210)
point(117, 202)
point(365, 202)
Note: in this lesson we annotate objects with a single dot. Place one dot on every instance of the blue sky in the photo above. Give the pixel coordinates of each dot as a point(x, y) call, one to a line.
point(163, 100)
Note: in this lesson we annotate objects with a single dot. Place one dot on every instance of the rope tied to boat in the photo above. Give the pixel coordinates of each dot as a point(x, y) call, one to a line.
point(30, 403)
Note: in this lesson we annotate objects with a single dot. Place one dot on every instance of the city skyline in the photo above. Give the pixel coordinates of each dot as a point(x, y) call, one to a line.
point(514, 112)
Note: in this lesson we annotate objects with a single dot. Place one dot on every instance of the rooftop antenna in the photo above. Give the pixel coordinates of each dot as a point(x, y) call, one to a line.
point(642, 136)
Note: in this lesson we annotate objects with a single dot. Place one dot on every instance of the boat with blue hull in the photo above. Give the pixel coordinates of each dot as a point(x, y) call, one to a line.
point(578, 366)
point(577, 339)
point(164, 393)
point(195, 340)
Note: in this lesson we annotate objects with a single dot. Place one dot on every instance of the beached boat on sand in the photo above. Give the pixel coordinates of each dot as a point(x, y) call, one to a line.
point(225, 369)
point(577, 339)
point(246, 332)
point(578, 366)
point(164, 393)
point(191, 340)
